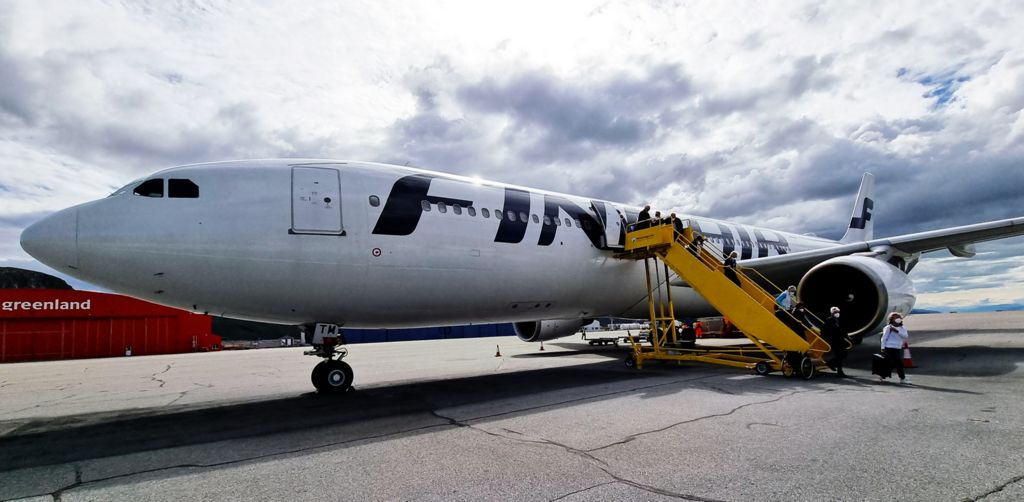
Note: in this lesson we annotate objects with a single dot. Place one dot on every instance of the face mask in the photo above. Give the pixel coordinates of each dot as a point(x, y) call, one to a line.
point(836, 315)
point(897, 321)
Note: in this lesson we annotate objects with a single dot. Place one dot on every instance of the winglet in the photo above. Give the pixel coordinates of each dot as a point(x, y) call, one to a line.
point(861, 225)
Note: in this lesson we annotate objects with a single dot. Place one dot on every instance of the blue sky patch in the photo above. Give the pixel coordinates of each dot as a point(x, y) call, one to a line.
point(943, 87)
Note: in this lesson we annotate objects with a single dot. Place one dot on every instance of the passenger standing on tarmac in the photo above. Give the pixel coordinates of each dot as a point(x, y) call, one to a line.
point(833, 333)
point(893, 336)
point(644, 219)
point(730, 268)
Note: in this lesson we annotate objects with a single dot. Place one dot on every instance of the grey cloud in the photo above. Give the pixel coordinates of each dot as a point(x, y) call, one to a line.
point(889, 130)
point(546, 122)
point(22, 220)
point(621, 112)
point(560, 112)
point(147, 120)
point(17, 97)
point(810, 73)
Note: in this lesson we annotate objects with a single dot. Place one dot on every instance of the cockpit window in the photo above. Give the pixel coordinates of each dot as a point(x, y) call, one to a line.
point(150, 188)
point(182, 189)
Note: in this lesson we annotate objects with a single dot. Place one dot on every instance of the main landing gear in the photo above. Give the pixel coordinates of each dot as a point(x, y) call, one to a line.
point(332, 375)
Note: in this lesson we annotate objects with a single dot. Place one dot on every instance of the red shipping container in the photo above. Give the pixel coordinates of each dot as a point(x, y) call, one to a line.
point(46, 324)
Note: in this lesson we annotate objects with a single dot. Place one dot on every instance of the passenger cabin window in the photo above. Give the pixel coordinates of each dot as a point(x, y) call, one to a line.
point(522, 217)
point(547, 220)
point(457, 209)
point(425, 205)
point(568, 222)
point(558, 222)
point(471, 210)
point(150, 188)
point(442, 207)
point(374, 200)
point(536, 219)
point(182, 189)
point(485, 213)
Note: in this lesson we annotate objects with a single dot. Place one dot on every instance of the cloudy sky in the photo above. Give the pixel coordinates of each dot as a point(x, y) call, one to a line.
point(760, 112)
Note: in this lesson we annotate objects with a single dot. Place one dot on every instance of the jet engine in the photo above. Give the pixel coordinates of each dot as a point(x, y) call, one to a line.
point(539, 331)
point(865, 289)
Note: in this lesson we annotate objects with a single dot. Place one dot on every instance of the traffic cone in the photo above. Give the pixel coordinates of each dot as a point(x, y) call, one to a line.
point(497, 352)
point(907, 361)
point(542, 346)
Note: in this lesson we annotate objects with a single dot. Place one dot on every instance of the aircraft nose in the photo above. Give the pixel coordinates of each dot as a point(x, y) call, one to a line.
point(54, 239)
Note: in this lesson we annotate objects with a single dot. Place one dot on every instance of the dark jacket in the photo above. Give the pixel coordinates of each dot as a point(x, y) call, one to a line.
point(833, 333)
point(643, 220)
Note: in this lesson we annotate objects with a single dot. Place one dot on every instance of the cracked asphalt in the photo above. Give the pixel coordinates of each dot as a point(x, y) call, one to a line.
point(446, 420)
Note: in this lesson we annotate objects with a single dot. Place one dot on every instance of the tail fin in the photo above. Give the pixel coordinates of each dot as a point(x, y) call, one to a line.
point(862, 228)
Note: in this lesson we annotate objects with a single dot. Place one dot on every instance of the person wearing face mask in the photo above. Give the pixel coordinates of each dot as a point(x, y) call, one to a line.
point(893, 336)
point(833, 333)
point(786, 299)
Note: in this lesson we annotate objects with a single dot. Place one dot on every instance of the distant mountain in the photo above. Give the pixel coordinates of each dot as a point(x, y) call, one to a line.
point(926, 311)
point(1003, 307)
point(19, 278)
point(234, 329)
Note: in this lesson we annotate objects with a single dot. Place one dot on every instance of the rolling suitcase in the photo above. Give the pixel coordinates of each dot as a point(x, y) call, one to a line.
point(880, 366)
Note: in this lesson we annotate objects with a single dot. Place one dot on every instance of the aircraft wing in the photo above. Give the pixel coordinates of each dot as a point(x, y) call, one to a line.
point(934, 240)
point(957, 239)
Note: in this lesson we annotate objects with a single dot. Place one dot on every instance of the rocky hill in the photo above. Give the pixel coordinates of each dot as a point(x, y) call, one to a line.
point(19, 278)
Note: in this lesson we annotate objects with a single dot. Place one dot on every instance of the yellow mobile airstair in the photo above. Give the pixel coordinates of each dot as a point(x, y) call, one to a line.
point(796, 350)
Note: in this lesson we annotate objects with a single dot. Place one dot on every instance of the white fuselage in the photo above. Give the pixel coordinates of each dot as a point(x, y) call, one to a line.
point(301, 241)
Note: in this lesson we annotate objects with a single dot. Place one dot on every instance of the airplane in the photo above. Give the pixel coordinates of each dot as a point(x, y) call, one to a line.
point(328, 244)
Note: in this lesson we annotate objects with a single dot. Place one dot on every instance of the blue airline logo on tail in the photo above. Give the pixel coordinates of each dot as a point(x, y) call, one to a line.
point(865, 215)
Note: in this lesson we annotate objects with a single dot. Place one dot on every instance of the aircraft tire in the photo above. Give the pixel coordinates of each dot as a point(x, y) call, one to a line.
point(630, 361)
point(332, 377)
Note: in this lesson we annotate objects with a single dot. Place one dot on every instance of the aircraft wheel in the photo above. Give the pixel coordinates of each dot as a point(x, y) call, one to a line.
point(630, 361)
point(762, 368)
point(807, 368)
point(330, 377)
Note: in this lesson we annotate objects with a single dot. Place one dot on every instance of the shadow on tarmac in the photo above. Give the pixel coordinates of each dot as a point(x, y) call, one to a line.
point(69, 439)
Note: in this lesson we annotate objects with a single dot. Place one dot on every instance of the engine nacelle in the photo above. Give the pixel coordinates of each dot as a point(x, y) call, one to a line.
point(539, 331)
point(865, 289)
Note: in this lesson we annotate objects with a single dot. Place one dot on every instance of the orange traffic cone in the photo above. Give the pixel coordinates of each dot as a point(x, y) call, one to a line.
point(541, 346)
point(907, 361)
point(497, 352)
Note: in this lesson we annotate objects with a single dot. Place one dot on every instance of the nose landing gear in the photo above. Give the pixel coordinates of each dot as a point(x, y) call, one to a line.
point(332, 375)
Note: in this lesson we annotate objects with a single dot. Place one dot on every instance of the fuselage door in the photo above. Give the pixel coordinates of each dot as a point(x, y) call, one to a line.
point(316, 201)
point(610, 219)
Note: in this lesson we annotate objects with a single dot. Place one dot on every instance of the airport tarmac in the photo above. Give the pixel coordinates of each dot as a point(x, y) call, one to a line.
point(447, 420)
